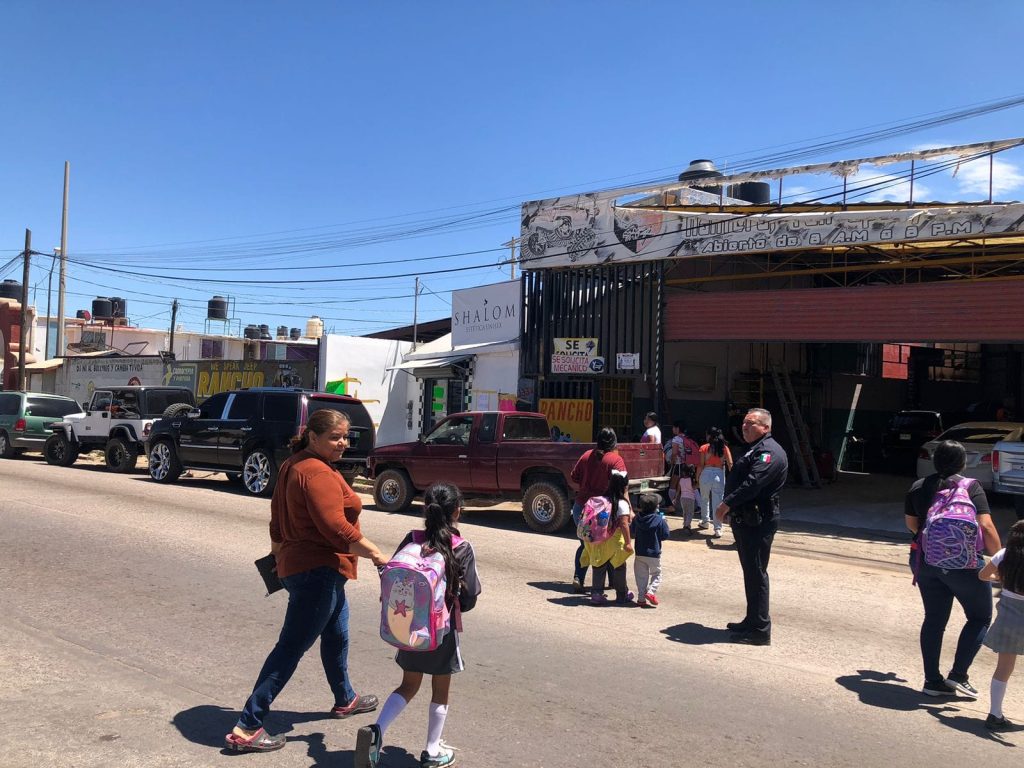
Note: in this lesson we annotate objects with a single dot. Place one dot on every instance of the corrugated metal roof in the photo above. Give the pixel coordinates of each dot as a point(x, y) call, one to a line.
point(981, 310)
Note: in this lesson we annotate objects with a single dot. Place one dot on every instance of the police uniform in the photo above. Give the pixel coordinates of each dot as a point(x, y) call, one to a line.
point(752, 493)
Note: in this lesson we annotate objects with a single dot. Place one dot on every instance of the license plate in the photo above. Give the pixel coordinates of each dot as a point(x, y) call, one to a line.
point(904, 436)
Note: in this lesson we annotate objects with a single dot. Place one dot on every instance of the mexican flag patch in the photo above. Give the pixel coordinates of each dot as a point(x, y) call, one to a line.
point(766, 457)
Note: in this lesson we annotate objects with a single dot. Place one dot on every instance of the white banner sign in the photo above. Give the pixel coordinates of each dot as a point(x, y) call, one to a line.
point(486, 314)
point(627, 361)
point(590, 229)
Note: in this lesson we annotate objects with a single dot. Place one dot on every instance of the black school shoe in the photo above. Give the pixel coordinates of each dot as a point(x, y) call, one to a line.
point(737, 626)
point(751, 637)
point(937, 688)
point(994, 723)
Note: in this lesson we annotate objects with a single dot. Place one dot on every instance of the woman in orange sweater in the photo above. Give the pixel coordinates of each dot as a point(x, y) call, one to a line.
point(314, 533)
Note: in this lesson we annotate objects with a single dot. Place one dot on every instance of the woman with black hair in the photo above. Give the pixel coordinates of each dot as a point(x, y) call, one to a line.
point(940, 586)
point(442, 504)
point(591, 476)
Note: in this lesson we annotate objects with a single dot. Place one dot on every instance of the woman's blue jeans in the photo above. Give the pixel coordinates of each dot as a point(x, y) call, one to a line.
point(938, 590)
point(581, 570)
point(316, 608)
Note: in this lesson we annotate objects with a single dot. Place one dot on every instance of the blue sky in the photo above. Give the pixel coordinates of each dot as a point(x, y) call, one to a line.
point(251, 136)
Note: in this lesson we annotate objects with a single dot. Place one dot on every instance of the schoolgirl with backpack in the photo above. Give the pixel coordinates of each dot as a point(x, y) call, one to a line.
point(428, 584)
point(1006, 635)
point(604, 530)
point(952, 526)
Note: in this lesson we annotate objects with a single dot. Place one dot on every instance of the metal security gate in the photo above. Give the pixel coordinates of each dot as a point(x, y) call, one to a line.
point(620, 305)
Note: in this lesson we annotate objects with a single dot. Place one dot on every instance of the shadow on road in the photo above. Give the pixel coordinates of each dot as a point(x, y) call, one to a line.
point(951, 717)
point(883, 689)
point(692, 633)
point(553, 586)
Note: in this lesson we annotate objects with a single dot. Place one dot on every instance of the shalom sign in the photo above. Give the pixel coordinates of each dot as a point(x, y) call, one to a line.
point(486, 315)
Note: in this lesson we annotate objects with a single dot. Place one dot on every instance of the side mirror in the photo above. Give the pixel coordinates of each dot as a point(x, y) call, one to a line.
point(85, 407)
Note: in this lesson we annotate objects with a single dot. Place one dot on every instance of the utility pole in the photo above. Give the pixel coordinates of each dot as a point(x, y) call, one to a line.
point(415, 307)
point(49, 291)
point(23, 338)
point(174, 321)
point(63, 263)
point(512, 256)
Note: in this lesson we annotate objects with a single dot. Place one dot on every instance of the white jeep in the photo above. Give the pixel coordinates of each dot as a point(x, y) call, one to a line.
point(117, 421)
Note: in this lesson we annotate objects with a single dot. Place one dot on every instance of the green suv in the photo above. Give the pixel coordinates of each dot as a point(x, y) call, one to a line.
point(25, 418)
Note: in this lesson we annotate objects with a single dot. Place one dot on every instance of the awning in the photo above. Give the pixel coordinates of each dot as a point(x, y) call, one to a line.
point(45, 365)
point(448, 367)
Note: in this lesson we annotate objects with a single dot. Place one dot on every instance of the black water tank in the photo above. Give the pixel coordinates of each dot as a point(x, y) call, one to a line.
point(702, 169)
point(754, 192)
point(295, 334)
point(120, 306)
point(282, 331)
point(102, 308)
point(217, 308)
point(10, 289)
point(252, 332)
point(265, 333)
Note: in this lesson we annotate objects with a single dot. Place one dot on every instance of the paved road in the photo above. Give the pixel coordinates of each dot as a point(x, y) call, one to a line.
point(133, 626)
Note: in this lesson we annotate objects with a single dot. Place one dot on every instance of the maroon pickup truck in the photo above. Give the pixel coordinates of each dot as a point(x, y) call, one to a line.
point(494, 454)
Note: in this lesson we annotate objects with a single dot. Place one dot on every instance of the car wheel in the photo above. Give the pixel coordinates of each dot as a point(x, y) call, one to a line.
point(545, 506)
point(164, 466)
point(259, 473)
point(121, 456)
point(59, 451)
point(178, 409)
point(393, 491)
point(6, 449)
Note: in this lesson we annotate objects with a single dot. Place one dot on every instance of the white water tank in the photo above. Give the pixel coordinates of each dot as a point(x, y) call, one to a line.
point(314, 328)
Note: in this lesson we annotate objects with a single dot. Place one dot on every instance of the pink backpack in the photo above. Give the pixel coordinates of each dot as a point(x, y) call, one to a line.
point(413, 613)
point(595, 520)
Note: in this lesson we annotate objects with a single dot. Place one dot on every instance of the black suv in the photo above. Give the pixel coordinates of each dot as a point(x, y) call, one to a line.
point(903, 437)
point(246, 433)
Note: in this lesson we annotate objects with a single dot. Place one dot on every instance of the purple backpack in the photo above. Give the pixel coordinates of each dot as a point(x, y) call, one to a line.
point(952, 538)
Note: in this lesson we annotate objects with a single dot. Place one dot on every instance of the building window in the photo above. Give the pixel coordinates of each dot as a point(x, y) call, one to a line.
point(960, 362)
point(895, 361)
point(212, 349)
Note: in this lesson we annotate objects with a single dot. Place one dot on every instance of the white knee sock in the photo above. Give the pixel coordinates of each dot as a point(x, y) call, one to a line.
point(392, 708)
point(435, 726)
point(997, 692)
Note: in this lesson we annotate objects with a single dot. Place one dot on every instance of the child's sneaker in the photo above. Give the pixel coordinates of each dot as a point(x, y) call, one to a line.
point(598, 598)
point(446, 756)
point(652, 598)
point(994, 723)
point(368, 740)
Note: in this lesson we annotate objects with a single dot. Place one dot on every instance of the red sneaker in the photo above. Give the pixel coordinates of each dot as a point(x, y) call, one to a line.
point(652, 599)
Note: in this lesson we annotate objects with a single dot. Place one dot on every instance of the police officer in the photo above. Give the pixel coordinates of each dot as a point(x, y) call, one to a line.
point(751, 503)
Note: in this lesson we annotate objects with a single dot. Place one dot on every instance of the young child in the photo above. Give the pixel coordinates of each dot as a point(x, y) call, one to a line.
point(443, 505)
point(1006, 635)
point(686, 496)
point(649, 529)
point(609, 557)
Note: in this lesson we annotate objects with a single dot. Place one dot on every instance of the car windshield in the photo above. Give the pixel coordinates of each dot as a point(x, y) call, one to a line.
point(915, 422)
point(985, 435)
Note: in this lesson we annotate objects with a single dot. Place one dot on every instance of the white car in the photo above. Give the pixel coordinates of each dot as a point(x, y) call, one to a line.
point(979, 438)
point(1008, 467)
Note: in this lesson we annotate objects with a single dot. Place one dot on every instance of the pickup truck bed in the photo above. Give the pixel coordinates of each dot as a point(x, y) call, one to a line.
point(502, 455)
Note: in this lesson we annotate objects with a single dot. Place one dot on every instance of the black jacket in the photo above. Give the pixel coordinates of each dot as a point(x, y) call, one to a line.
point(757, 477)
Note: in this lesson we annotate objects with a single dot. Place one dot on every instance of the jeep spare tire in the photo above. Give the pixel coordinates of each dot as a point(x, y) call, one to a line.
point(259, 472)
point(393, 491)
point(176, 410)
point(121, 455)
point(59, 451)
